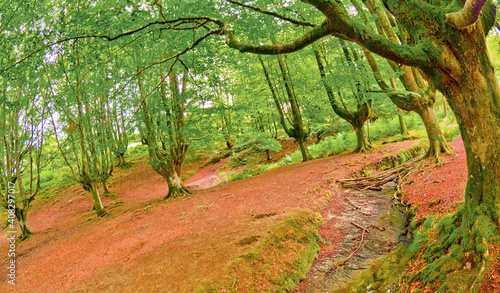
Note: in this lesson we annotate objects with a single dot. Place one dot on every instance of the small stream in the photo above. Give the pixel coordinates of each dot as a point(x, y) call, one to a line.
point(385, 223)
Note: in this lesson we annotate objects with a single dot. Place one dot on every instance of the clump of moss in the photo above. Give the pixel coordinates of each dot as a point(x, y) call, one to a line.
point(278, 263)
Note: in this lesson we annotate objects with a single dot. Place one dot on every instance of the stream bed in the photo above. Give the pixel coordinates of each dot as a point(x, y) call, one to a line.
point(385, 225)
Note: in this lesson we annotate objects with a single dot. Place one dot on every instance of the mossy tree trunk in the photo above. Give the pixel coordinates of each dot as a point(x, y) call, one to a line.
point(121, 159)
point(21, 215)
point(96, 199)
point(361, 137)
point(119, 133)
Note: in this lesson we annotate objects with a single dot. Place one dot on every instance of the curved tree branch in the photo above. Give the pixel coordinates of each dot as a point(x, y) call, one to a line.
point(263, 11)
point(303, 41)
point(340, 24)
point(467, 16)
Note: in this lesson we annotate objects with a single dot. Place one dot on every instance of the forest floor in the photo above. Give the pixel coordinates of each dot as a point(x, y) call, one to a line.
point(146, 244)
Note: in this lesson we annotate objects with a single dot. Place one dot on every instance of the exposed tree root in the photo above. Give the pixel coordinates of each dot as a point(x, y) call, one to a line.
point(363, 148)
point(178, 191)
point(437, 147)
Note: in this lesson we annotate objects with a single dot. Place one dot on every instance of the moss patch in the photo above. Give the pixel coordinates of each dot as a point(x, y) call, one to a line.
point(278, 263)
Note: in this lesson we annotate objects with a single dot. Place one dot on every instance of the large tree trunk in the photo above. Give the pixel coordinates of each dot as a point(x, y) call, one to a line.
point(437, 142)
point(175, 186)
point(474, 97)
point(167, 171)
point(363, 144)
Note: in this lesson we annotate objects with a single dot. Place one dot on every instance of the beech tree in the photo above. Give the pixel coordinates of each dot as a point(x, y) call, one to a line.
point(443, 41)
point(295, 126)
point(359, 90)
point(22, 124)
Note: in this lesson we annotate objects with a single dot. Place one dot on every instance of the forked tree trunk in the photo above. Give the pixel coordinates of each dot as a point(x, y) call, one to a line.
point(159, 160)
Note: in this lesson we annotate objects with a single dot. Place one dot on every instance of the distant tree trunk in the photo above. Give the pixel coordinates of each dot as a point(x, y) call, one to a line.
point(121, 159)
point(437, 142)
point(403, 130)
point(21, 215)
point(298, 125)
point(296, 130)
point(363, 143)
point(445, 109)
point(368, 138)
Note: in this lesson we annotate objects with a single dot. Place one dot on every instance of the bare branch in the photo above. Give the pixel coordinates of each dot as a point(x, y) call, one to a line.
point(263, 11)
point(172, 24)
point(467, 16)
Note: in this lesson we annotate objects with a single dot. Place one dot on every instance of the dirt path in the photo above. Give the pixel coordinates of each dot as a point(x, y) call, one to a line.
point(168, 246)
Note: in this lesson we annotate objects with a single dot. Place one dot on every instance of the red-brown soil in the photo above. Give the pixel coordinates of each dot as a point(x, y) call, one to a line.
point(149, 245)
point(438, 188)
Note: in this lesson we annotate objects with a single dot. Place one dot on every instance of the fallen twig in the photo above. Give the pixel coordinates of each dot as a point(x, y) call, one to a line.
point(360, 243)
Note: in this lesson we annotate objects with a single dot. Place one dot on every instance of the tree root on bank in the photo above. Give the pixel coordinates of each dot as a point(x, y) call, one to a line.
point(436, 148)
point(463, 239)
point(178, 192)
point(363, 149)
